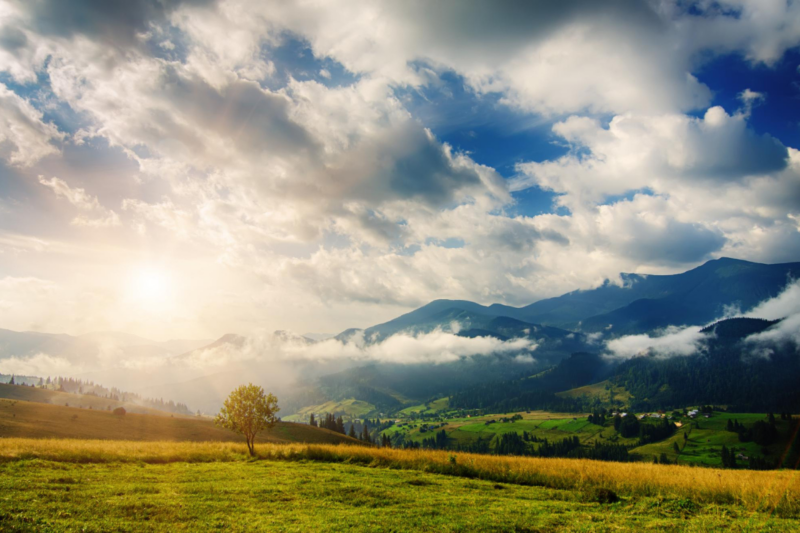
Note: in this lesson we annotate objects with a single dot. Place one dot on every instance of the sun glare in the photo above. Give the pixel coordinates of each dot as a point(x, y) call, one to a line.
point(150, 286)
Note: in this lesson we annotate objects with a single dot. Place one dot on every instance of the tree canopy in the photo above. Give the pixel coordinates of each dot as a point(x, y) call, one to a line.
point(247, 411)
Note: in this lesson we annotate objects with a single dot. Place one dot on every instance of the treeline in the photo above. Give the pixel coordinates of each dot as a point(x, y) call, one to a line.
point(728, 372)
point(647, 431)
point(89, 388)
point(503, 397)
point(528, 445)
point(539, 392)
point(761, 432)
point(355, 429)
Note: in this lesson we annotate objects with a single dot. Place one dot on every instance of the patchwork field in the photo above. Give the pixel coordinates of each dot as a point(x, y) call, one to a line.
point(126, 486)
point(705, 442)
point(541, 424)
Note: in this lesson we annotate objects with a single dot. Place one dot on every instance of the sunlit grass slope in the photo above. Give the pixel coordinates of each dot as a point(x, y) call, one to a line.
point(604, 391)
point(435, 406)
point(32, 394)
point(38, 420)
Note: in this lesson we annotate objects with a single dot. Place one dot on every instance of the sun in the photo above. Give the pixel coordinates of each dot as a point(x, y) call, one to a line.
point(149, 285)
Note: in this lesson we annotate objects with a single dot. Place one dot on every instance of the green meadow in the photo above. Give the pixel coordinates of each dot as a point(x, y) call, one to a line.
point(80, 487)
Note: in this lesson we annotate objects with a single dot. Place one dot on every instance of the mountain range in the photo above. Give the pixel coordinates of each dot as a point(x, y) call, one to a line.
point(637, 304)
point(567, 336)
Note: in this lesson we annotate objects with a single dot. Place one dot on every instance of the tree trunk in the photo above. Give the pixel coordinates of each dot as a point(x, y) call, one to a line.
point(251, 448)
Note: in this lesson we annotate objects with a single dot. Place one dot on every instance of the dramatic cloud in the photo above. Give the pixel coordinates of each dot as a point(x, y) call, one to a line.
point(269, 160)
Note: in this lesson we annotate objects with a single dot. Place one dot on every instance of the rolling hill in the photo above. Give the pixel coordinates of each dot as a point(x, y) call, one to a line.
point(85, 401)
point(25, 419)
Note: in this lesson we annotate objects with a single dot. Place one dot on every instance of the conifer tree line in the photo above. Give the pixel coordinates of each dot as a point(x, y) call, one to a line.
point(369, 431)
point(761, 432)
point(90, 388)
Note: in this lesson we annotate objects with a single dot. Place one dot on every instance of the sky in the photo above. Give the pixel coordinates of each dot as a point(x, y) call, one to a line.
point(189, 168)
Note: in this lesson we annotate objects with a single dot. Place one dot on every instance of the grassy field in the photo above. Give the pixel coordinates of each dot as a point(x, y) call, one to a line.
point(63, 485)
point(39, 420)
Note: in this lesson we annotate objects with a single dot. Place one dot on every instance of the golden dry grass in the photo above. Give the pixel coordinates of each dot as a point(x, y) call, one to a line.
point(771, 491)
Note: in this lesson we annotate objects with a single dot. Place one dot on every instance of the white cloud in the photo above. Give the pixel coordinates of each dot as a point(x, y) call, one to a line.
point(787, 303)
point(95, 216)
point(402, 348)
point(685, 341)
point(673, 341)
point(40, 364)
point(652, 151)
point(24, 136)
point(761, 30)
point(785, 306)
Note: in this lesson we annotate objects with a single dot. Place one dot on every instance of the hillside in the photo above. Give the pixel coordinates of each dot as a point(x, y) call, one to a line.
point(34, 394)
point(24, 419)
point(604, 391)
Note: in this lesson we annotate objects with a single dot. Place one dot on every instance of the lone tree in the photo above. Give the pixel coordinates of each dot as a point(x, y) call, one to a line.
point(247, 411)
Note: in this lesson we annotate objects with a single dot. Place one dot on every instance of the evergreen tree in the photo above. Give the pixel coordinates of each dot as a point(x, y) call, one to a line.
point(352, 432)
point(312, 421)
point(340, 425)
point(365, 433)
point(676, 447)
point(12, 380)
